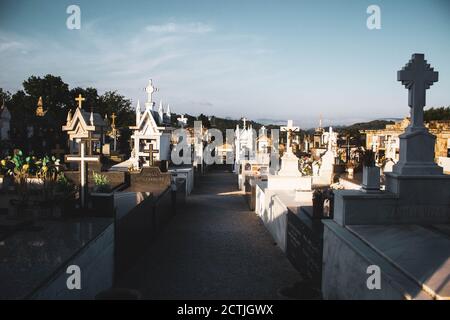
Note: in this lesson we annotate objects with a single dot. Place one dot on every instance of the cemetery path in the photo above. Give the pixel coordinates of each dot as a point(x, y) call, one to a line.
point(215, 249)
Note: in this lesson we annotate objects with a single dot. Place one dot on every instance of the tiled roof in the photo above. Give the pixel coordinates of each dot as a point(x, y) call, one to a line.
point(98, 120)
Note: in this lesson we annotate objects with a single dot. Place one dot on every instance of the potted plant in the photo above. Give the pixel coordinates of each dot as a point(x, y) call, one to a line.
point(102, 199)
point(46, 172)
point(65, 196)
point(371, 173)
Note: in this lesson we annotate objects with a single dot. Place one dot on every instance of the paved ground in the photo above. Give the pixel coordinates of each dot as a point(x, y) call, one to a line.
point(215, 249)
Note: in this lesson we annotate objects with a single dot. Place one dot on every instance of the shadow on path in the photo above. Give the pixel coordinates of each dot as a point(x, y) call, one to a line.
point(215, 249)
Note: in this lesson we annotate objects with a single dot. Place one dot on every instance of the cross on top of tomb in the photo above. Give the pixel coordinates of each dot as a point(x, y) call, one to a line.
point(151, 152)
point(263, 131)
point(150, 89)
point(289, 129)
point(80, 100)
point(182, 120)
point(417, 76)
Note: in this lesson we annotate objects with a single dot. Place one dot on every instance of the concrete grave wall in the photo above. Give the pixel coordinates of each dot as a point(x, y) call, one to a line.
point(345, 262)
point(96, 262)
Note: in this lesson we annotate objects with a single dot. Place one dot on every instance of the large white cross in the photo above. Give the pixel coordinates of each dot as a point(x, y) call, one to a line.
point(82, 159)
point(289, 129)
point(417, 76)
point(150, 89)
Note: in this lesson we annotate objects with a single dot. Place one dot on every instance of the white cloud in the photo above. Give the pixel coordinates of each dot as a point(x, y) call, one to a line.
point(171, 27)
point(224, 70)
point(10, 43)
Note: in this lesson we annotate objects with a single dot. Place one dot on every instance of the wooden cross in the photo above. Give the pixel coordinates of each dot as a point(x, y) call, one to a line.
point(82, 159)
point(58, 151)
point(151, 151)
point(289, 129)
point(417, 76)
point(80, 100)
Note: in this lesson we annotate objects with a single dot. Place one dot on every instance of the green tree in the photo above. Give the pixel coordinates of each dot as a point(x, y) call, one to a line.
point(90, 95)
point(110, 102)
point(442, 113)
point(54, 92)
point(4, 96)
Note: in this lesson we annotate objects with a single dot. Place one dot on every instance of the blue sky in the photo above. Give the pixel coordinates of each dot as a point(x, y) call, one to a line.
point(259, 59)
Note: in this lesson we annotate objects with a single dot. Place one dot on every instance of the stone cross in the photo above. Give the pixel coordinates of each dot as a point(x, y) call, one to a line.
point(289, 129)
point(182, 120)
point(80, 100)
point(151, 151)
point(417, 144)
point(417, 76)
point(262, 131)
point(150, 89)
point(82, 159)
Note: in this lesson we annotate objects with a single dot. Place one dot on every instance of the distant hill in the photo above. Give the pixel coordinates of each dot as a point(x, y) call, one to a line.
point(221, 123)
point(371, 125)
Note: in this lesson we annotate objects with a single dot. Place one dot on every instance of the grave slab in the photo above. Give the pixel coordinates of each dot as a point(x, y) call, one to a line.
point(34, 261)
point(420, 252)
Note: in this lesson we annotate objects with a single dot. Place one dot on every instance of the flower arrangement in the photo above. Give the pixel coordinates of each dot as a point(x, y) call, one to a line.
point(21, 168)
point(306, 166)
point(101, 183)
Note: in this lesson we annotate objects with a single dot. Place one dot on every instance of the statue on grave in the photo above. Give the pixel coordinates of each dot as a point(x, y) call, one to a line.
point(290, 129)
